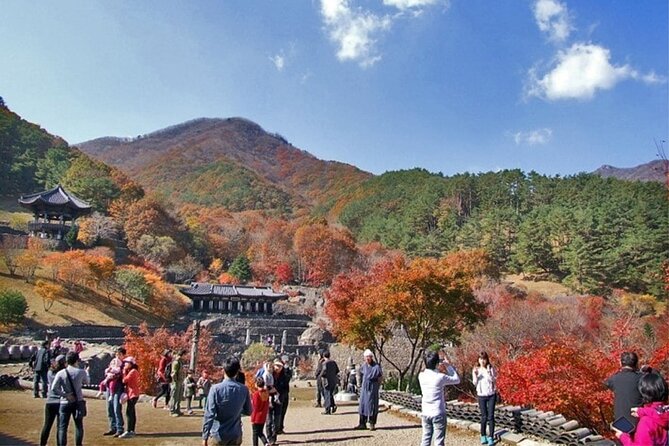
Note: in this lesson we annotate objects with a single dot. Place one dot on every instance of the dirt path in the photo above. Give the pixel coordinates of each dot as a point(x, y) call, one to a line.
point(21, 418)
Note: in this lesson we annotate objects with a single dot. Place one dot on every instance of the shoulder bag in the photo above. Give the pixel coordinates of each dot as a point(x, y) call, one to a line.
point(81, 410)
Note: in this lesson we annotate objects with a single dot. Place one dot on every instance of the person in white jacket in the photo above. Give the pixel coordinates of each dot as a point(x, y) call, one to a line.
point(484, 377)
point(437, 375)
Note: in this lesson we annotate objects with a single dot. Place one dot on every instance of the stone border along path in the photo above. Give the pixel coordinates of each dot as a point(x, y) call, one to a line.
point(520, 425)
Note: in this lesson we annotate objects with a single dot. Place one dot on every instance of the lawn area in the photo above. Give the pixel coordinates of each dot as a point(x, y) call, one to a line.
point(543, 287)
point(80, 307)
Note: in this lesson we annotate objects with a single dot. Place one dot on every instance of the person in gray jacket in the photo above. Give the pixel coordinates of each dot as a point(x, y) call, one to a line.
point(68, 385)
point(52, 406)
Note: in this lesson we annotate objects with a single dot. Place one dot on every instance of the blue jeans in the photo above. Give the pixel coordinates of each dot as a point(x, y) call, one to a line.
point(487, 407)
point(115, 412)
point(434, 427)
point(66, 411)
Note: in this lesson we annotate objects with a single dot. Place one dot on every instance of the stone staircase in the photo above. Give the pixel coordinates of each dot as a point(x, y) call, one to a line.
point(232, 330)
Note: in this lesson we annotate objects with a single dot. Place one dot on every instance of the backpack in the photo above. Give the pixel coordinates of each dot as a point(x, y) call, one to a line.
point(168, 372)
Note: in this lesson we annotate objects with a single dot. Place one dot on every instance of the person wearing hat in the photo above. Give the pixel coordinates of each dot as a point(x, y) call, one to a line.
point(131, 382)
point(282, 377)
point(371, 377)
point(164, 379)
point(52, 406)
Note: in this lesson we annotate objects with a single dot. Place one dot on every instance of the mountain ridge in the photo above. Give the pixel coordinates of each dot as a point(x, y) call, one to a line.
point(197, 143)
point(651, 171)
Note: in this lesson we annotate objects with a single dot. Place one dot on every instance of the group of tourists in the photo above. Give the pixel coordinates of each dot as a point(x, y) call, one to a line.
point(640, 396)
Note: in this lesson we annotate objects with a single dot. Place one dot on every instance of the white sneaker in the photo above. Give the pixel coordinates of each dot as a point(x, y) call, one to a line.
point(127, 434)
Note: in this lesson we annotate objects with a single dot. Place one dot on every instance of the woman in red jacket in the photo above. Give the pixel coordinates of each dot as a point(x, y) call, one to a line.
point(653, 416)
point(131, 382)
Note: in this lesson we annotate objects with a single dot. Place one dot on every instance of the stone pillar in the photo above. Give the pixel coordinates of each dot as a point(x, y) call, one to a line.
point(248, 336)
point(283, 340)
point(194, 347)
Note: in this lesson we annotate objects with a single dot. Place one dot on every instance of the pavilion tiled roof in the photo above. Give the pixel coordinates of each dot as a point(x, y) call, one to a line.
point(215, 290)
point(56, 196)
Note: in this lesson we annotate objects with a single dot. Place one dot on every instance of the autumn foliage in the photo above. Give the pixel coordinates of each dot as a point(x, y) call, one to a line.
point(146, 346)
point(563, 376)
point(555, 354)
point(426, 300)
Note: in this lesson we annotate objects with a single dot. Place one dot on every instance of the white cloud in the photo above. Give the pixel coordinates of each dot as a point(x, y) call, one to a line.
point(554, 19)
point(650, 78)
point(279, 61)
point(403, 5)
point(354, 31)
point(533, 137)
point(580, 71)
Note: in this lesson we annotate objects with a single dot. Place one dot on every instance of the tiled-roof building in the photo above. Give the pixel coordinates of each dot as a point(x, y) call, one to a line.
point(215, 298)
point(52, 210)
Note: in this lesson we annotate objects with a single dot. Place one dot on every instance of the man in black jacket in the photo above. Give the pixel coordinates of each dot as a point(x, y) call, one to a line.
point(40, 362)
point(328, 376)
point(282, 377)
point(624, 385)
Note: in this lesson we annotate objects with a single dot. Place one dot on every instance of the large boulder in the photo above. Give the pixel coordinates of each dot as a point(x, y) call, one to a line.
point(26, 353)
point(15, 352)
point(315, 336)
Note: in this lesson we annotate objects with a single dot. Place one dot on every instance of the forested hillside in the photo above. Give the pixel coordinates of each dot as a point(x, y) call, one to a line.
point(194, 162)
point(224, 190)
point(26, 154)
point(594, 234)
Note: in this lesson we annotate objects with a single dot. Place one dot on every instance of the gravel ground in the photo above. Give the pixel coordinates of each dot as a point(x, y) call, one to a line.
point(21, 417)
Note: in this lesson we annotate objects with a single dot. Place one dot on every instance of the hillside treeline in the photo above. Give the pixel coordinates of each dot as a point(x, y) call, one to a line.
point(591, 233)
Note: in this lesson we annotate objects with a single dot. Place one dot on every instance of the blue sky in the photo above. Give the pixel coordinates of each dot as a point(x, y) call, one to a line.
point(556, 86)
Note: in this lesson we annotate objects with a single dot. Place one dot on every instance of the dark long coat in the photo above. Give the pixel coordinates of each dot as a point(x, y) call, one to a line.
point(369, 389)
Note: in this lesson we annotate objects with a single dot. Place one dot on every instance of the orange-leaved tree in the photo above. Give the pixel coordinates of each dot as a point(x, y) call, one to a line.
point(146, 345)
point(322, 253)
point(50, 293)
point(427, 301)
point(565, 376)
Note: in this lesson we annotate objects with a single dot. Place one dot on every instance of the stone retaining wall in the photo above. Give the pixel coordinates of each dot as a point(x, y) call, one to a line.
point(518, 424)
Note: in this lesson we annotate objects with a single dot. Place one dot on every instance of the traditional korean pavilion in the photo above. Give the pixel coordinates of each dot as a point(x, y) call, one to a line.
point(214, 298)
point(53, 210)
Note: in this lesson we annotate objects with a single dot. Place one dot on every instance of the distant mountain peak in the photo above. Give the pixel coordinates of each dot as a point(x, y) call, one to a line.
point(652, 171)
point(198, 150)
